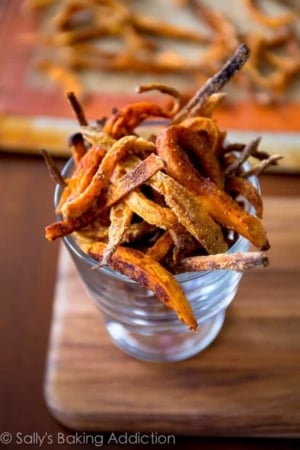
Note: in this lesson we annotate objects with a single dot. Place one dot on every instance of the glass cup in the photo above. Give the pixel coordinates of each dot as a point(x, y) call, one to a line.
point(139, 323)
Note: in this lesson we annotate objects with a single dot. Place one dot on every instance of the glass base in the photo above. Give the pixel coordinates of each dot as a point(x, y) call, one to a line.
point(164, 347)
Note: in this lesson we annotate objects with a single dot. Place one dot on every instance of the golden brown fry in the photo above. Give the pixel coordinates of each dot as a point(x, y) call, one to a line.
point(239, 261)
point(137, 176)
point(218, 203)
point(161, 247)
point(150, 211)
point(241, 186)
point(120, 219)
point(96, 136)
point(87, 198)
point(149, 273)
point(191, 214)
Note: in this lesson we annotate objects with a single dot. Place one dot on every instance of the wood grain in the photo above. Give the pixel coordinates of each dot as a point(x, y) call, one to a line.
point(247, 383)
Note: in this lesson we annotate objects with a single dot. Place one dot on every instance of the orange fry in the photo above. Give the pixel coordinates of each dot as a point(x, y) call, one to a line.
point(88, 197)
point(124, 121)
point(217, 202)
point(149, 273)
point(161, 246)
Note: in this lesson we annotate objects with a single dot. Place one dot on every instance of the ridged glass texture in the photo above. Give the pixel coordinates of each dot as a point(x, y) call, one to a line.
point(140, 324)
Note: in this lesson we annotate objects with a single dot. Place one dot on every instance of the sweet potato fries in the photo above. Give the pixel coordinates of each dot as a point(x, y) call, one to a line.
point(152, 207)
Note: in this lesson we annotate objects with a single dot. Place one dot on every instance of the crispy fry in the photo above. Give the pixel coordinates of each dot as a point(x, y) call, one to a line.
point(53, 169)
point(191, 214)
point(161, 247)
point(165, 90)
point(87, 198)
point(217, 202)
point(239, 261)
point(243, 187)
point(120, 218)
point(150, 211)
point(202, 141)
point(262, 165)
point(77, 108)
point(248, 150)
point(214, 84)
point(172, 203)
point(64, 227)
point(82, 176)
point(137, 176)
point(147, 272)
point(77, 147)
point(128, 118)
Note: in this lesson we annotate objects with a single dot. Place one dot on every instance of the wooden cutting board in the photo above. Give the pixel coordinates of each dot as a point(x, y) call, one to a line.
point(247, 383)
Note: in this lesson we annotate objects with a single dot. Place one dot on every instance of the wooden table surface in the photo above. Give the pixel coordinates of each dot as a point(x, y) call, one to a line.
point(27, 280)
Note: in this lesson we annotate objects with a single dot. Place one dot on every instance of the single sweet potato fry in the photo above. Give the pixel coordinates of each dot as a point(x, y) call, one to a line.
point(149, 273)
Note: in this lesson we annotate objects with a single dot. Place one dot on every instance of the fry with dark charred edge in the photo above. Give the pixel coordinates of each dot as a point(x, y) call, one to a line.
point(77, 147)
point(214, 84)
point(77, 108)
point(149, 273)
point(53, 169)
point(137, 176)
point(239, 261)
point(262, 165)
point(248, 150)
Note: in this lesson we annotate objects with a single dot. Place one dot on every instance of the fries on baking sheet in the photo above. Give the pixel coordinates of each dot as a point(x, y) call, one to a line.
point(153, 207)
point(79, 39)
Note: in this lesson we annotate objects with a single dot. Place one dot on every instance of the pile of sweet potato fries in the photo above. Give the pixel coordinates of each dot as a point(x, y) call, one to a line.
point(152, 207)
point(78, 32)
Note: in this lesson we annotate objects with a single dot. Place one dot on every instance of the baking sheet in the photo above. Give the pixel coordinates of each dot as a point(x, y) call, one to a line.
point(34, 112)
